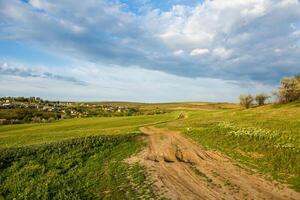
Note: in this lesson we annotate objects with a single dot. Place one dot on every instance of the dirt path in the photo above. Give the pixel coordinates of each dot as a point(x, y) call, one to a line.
point(180, 169)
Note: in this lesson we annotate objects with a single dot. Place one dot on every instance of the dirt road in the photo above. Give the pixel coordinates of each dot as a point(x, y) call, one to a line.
point(181, 169)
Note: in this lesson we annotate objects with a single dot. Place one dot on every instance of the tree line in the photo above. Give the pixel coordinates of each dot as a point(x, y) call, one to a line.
point(288, 91)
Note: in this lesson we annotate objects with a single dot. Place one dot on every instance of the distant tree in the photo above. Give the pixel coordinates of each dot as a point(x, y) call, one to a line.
point(51, 119)
point(36, 119)
point(297, 78)
point(261, 99)
point(246, 101)
point(289, 89)
point(31, 99)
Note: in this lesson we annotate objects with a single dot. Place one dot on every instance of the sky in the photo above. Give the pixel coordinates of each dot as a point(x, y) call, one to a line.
point(147, 50)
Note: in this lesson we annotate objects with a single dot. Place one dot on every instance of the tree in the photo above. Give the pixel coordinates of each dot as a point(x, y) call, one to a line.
point(261, 99)
point(289, 89)
point(246, 100)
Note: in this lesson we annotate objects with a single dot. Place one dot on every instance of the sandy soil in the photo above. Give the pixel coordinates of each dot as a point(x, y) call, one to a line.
point(180, 169)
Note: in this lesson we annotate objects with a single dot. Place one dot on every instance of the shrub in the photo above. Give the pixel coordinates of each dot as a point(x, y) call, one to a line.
point(36, 119)
point(289, 89)
point(261, 99)
point(246, 100)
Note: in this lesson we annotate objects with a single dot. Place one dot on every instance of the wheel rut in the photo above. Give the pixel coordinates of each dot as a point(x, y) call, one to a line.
point(180, 169)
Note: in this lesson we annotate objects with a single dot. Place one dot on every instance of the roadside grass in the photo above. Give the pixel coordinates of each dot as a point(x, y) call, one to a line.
point(264, 138)
point(82, 168)
point(27, 134)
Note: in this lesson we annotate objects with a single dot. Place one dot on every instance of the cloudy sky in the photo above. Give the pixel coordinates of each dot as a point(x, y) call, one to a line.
point(147, 50)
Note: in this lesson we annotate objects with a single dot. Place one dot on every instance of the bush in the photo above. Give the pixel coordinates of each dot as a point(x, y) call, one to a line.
point(246, 100)
point(261, 99)
point(289, 89)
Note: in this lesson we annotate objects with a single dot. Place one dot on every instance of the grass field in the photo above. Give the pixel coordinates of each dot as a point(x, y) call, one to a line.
point(82, 168)
point(174, 105)
point(74, 159)
point(27, 134)
point(264, 138)
point(83, 158)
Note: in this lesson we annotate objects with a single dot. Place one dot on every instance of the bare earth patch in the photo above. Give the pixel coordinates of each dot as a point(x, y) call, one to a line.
point(181, 169)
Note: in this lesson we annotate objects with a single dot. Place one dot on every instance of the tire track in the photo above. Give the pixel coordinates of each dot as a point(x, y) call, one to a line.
point(181, 169)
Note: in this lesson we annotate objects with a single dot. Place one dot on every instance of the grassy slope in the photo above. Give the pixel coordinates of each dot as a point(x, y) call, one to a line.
point(265, 138)
point(26, 134)
point(74, 159)
point(82, 168)
point(188, 106)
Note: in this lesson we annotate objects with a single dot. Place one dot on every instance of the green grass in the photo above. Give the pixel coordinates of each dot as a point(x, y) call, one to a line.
point(75, 159)
point(84, 158)
point(27, 134)
point(82, 168)
point(264, 138)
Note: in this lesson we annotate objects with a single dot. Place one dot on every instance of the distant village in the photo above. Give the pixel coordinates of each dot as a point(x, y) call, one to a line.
point(16, 110)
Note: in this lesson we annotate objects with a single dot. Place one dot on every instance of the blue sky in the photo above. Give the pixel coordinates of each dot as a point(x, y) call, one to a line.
point(138, 6)
point(147, 50)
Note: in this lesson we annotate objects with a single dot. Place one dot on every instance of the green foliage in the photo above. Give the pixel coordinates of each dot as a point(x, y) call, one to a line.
point(82, 168)
point(26, 115)
point(261, 99)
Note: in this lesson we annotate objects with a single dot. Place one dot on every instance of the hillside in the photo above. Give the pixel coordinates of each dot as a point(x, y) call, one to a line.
point(88, 157)
point(264, 138)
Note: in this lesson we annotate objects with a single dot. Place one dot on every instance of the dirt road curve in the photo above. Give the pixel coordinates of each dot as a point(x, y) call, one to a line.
point(180, 169)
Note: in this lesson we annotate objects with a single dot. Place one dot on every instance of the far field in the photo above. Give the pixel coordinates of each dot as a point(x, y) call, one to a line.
point(85, 157)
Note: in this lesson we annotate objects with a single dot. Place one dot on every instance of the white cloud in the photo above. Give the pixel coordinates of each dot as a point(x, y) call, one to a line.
point(20, 70)
point(198, 52)
point(222, 52)
point(296, 33)
point(127, 84)
point(258, 9)
point(4, 65)
point(239, 39)
point(178, 52)
point(277, 50)
point(237, 33)
point(41, 4)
